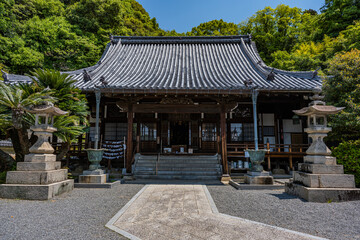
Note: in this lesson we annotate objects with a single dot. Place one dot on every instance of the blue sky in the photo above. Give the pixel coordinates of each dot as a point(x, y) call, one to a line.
point(182, 15)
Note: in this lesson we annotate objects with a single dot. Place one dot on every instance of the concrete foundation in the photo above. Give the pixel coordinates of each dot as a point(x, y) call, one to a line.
point(93, 178)
point(264, 180)
point(35, 192)
point(259, 178)
point(322, 195)
point(36, 177)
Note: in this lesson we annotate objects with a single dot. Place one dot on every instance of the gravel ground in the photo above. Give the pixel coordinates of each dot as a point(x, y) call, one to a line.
point(81, 214)
point(275, 207)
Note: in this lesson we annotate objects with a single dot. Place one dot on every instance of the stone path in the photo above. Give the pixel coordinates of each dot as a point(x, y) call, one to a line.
point(187, 212)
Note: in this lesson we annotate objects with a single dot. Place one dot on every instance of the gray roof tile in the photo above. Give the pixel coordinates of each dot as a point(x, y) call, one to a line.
point(187, 64)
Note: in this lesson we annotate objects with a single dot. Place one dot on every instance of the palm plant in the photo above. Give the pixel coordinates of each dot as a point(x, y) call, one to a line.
point(68, 130)
point(15, 99)
point(69, 99)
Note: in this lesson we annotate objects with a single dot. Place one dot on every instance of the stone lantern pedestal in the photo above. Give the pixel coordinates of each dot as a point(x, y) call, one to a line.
point(319, 178)
point(40, 176)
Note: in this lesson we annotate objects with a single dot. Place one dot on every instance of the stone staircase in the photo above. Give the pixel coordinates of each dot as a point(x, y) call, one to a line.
point(184, 167)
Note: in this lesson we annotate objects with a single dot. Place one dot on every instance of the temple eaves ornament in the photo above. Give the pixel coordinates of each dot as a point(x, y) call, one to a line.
point(86, 76)
point(5, 76)
point(271, 75)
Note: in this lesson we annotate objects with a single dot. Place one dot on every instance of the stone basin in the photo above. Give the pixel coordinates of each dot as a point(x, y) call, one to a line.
point(95, 157)
point(256, 158)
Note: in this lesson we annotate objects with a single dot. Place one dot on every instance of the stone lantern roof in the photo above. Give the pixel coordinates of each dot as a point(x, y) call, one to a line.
point(318, 110)
point(48, 109)
point(318, 106)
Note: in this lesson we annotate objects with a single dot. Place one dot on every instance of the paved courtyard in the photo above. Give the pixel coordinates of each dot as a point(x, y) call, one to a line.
point(187, 212)
point(83, 214)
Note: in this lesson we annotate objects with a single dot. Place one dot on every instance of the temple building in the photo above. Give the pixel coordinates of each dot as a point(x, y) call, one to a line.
point(196, 96)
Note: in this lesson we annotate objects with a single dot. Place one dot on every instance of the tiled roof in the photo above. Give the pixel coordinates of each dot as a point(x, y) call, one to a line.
point(187, 64)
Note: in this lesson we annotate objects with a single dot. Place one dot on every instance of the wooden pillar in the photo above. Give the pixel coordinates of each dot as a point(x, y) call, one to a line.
point(218, 141)
point(268, 158)
point(290, 158)
point(129, 149)
point(138, 139)
point(223, 141)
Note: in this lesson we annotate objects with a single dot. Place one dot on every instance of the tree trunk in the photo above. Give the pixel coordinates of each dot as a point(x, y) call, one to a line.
point(19, 155)
point(6, 161)
point(65, 147)
point(23, 140)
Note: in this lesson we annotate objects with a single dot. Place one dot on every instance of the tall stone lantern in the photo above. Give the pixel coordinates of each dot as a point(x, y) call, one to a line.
point(319, 178)
point(40, 176)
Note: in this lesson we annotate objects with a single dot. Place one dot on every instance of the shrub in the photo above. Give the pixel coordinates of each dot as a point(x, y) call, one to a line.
point(2, 177)
point(348, 154)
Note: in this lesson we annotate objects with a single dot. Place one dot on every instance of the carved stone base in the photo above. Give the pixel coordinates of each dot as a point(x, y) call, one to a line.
point(101, 178)
point(35, 192)
point(225, 178)
point(263, 180)
point(322, 195)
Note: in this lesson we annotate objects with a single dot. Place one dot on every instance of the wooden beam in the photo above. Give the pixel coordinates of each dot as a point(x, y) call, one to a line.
point(129, 151)
point(175, 108)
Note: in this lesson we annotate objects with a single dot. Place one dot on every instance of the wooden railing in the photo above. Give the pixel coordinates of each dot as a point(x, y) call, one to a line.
point(75, 148)
point(289, 151)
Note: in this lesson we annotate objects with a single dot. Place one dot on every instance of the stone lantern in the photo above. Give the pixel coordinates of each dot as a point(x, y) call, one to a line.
point(319, 178)
point(40, 176)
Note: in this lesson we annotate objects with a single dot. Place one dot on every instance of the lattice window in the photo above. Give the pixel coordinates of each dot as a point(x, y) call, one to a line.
point(148, 131)
point(236, 132)
point(115, 131)
point(208, 132)
point(248, 132)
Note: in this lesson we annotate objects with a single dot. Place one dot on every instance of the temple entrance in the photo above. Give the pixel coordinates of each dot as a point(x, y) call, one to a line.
point(179, 133)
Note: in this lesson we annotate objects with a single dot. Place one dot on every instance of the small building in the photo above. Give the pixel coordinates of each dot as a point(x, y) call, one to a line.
point(196, 96)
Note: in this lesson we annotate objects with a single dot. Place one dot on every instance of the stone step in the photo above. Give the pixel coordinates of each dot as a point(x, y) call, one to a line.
point(36, 177)
point(144, 168)
point(180, 160)
point(188, 164)
point(177, 177)
point(324, 180)
point(199, 173)
point(327, 160)
point(38, 166)
point(145, 165)
point(178, 167)
point(190, 169)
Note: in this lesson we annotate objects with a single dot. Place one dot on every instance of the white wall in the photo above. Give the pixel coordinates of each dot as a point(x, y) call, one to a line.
point(268, 119)
point(289, 127)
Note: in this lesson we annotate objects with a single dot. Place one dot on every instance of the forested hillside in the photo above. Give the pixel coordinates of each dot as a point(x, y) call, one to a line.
point(65, 34)
point(71, 34)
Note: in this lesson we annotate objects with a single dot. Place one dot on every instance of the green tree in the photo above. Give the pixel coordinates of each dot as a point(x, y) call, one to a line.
point(214, 28)
point(27, 9)
point(62, 48)
point(343, 90)
point(275, 29)
point(337, 15)
point(69, 99)
point(348, 155)
point(119, 17)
